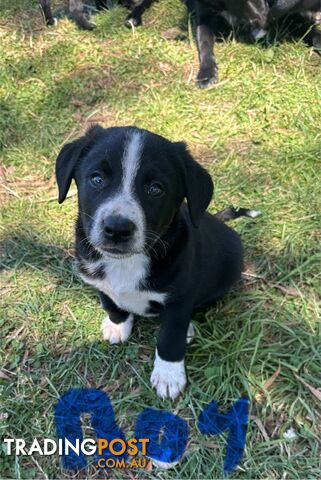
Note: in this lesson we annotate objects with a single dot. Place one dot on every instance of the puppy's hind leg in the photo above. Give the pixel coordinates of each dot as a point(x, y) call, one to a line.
point(76, 8)
point(230, 213)
point(46, 8)
point(190, 333)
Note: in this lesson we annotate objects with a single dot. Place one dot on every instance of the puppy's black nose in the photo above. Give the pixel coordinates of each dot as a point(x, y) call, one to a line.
point(118, 229)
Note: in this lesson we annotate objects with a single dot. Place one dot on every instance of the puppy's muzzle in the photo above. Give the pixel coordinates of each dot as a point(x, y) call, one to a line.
point(118, 230)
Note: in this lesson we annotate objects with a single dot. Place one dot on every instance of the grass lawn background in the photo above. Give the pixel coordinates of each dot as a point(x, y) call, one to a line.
point(258, 133)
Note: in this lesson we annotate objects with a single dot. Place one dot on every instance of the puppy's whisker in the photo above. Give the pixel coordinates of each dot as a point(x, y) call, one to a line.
point(157, 240)
point(156, 244)
point(87, 215)
point(151, 249)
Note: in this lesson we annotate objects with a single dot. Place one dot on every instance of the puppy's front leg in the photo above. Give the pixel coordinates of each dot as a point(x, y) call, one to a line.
point(168, 376)
point(207, 73)
point(117, 325)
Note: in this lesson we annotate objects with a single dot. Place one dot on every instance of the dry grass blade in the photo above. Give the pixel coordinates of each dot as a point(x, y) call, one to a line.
point(260, 427)
point(313, 390)
point(293, 292)
point(272, 379)
point(4, 376)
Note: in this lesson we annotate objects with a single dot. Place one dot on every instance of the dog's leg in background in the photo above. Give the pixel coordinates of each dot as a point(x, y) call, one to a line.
point(257, 14)
point(117, 325)
point(46, 8)
point(281, 8)
point(76, 8)
point(207, 73)
point(134, 18)
point(310, 20)
point(314, 17)
point(302, 26)
point(313, 36)
point(304, 14)
point(168, 376)
point(101, 4)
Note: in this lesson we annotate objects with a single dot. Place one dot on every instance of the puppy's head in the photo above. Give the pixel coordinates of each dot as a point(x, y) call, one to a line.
point(131, 184)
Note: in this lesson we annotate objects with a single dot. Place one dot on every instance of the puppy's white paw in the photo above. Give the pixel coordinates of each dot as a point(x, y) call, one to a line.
point(190, 333)
point(168, 378)
point(117, 332)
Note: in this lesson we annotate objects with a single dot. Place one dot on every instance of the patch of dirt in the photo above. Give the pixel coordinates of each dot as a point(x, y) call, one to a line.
point(204, 155)
point(240, 145)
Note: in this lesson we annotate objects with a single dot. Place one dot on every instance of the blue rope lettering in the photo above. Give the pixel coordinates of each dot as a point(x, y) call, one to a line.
point(211, 422)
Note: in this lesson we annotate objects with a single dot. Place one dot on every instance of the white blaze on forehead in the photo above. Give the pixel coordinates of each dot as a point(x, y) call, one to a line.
point(131, 160)
point(124, 202)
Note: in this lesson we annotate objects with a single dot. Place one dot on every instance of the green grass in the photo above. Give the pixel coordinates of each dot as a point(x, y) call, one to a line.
point(258, 133)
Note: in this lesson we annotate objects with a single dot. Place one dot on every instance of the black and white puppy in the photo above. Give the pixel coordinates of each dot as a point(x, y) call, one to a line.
point(140, 245)
point(254, 17)
point(76, 7)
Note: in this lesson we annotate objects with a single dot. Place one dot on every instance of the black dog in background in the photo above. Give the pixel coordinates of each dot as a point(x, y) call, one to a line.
point(76, 8)
point(253, 16)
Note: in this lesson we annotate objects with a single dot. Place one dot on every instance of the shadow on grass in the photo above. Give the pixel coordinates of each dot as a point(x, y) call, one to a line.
point(10, 124)
point(22, 251)
point(84, 87)
point(25, 252)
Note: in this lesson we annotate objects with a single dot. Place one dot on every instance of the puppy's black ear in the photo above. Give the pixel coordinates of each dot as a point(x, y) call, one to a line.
point(198, 184)
point(70, 155)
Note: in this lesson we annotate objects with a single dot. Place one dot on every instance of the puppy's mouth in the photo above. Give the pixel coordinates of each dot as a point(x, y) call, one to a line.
point(115, 252)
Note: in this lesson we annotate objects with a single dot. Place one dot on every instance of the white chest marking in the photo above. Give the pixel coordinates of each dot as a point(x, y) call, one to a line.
point(122, 280)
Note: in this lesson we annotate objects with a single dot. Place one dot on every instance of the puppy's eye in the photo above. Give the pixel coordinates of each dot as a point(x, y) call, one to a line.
point(96, 180)
point(154, 189)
